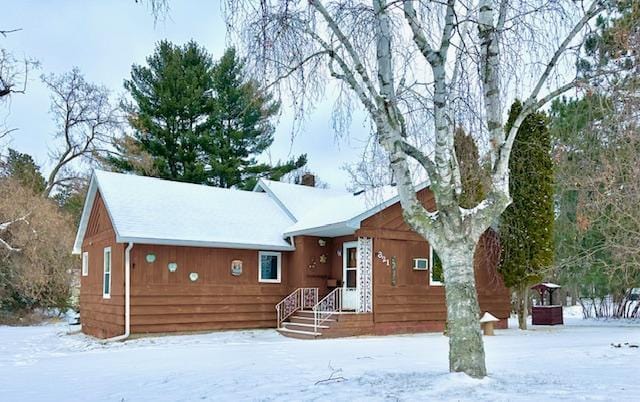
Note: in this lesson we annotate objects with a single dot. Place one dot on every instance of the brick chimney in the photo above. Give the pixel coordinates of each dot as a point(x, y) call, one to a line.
point(308, 179)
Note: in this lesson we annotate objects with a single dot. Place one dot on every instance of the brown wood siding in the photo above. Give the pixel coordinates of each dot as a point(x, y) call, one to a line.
point(163, 301)
point(101, 317)
point(413, 304)
point(306, 268)
point(336, 255)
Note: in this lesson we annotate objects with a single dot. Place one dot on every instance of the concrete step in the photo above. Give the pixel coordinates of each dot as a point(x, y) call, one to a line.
point(293, 333)
point(304, 313)
point(303, 327)
point(305, 319)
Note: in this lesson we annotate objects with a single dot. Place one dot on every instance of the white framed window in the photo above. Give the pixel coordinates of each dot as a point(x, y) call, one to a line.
point(421, 264)
point(106, 277)
point(269, 267)
point(435, 269)
point(85, 263)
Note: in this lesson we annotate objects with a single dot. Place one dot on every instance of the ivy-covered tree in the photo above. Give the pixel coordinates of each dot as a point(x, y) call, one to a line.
point(198, 121)
point(472, 176)
point(474, 182)
point(526, 226)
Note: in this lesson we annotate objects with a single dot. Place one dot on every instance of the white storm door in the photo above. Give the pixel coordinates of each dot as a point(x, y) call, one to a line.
point(350, 275)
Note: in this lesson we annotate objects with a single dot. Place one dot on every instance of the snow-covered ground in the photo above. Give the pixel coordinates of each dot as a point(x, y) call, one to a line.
point(572, 362)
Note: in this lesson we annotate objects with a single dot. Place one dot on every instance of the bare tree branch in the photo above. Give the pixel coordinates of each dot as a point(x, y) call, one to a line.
point(87, 122)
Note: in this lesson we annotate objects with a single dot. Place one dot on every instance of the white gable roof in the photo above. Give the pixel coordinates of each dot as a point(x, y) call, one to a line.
point(297, 199)
point(342, 215)
point(322, 212)
point(154, 211)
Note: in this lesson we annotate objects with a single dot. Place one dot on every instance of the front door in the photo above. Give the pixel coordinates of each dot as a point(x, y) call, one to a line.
point(350, 276)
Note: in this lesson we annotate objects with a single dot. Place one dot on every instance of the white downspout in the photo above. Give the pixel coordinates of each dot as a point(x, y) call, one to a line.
point(127, 296)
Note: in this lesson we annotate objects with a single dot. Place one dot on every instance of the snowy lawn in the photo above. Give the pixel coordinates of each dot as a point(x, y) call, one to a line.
point(573, 362)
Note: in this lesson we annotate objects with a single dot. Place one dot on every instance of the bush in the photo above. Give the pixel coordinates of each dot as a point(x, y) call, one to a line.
point(36, 265)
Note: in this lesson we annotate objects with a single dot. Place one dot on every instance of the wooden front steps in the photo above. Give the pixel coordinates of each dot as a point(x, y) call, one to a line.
point(300, 325)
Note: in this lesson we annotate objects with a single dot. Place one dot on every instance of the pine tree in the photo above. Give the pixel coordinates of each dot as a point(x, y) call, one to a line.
point(526, 227)
point(198, 121)
point(169, 113)
point(22, 168)
point(241, 128)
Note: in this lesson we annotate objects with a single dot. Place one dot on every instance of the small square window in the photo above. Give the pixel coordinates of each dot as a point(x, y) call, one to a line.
point(269, 266)
point(420, 264)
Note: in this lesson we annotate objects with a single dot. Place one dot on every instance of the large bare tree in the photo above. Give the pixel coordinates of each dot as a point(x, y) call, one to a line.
point(86, 122)
point(14, 74)
point(419, 69)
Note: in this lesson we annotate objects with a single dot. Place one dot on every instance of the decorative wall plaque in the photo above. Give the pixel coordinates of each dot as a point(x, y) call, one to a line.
point(323, 259)
point(322, 242)
point(172, 266)
point(150, 258)
point(236, 267)
point(394, 271)
point(193, 276)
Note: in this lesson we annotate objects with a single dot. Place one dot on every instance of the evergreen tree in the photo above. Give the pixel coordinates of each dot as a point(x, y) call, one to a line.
point(241, 128)
point(198, 121)
point(526, 227)
point(472, 175)
point(170, 113)
point(71, 198)
point(22, 168)
point(592, 134)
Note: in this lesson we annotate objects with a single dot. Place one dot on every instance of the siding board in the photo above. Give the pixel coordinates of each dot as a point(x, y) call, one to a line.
point(103, 318)
point(413, 304)
point(163, 301)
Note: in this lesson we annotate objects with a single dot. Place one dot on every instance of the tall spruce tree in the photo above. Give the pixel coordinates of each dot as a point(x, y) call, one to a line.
point(198, 121)
point(526, 226)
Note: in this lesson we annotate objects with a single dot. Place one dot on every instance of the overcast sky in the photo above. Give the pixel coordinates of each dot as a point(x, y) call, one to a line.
point(104, 38)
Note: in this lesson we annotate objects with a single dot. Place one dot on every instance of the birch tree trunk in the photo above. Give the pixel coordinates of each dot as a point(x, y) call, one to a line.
point(466, 349)
point(294, 38)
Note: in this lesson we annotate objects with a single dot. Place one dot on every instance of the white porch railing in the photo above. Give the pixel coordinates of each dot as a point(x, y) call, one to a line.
point(325, 308)
point(299, 299)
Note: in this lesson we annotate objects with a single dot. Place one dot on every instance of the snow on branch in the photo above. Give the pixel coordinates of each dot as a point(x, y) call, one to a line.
point(5, 226)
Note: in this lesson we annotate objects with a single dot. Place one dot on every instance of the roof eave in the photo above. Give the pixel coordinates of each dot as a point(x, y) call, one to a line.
point(348, 226)
point(84, 218)
point(355, 222)
point(199, 243)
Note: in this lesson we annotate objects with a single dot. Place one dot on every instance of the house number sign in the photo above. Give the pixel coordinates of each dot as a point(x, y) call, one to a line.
point(382, 257)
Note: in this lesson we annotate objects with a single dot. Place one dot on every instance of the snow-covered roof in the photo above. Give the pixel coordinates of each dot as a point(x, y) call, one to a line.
point(296, 199)
point(155, 211)
point(488, 317)
point(341, 215)
point(322, 212)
